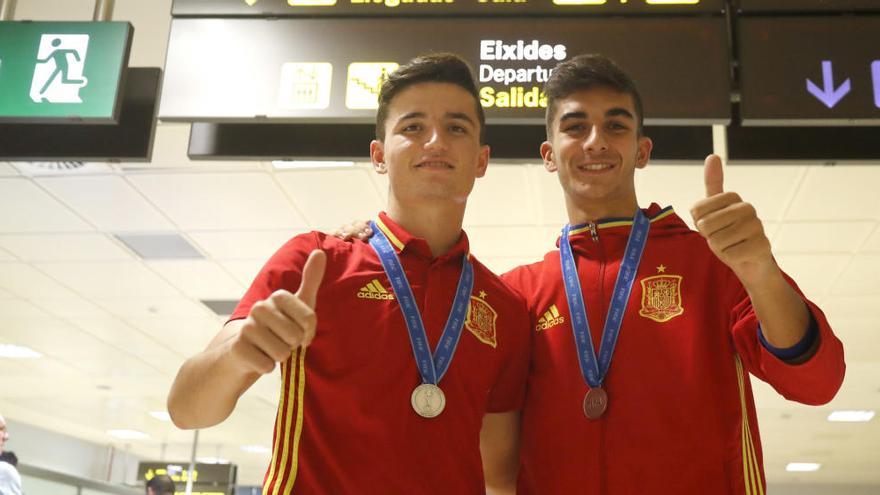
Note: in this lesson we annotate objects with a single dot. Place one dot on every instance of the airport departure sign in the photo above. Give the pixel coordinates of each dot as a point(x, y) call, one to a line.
point(801, 6)
point(810, 70)
point(284, 70)
point(62, 71)
point(282, 8)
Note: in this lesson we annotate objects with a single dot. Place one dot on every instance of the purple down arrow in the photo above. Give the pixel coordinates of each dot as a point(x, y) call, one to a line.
point(828, 94)
point(875, 71)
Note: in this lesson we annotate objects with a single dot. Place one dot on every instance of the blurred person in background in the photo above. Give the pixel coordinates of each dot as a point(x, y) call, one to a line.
point(10, 480)
point(161, 485)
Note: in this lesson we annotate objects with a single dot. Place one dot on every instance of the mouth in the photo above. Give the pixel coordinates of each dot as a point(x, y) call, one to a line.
point(595, 167)
point(434, 165)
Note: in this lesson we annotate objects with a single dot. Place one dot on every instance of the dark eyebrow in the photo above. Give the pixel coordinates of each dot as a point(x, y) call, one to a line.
point(572, 116)
point(450, 115)
point(460, 116)
point(620, 112)
point(411, 115)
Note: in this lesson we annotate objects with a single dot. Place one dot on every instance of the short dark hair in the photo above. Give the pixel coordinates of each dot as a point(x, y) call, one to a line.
point(162, 484)
point(435, 67)
point(9, 457)
point(585, 72)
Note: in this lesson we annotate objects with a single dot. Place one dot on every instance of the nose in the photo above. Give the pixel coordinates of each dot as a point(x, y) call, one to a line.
point(596, 141)
point(437, 140)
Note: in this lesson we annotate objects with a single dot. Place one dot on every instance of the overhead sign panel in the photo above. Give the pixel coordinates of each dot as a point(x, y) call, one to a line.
point(801, 6)
point(246, 70)
point(810, 71)
point(282, 8)
point(207, 479)
point(130, 140)
point(62, 71)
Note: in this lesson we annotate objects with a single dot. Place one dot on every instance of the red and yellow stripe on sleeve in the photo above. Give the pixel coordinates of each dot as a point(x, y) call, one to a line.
point(751, 469)
point(281, 474)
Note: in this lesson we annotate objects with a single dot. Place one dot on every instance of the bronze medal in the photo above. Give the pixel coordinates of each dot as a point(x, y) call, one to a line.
point(428, 400)
point(595, 403)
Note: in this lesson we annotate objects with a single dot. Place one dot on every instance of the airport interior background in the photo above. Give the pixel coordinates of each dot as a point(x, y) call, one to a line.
point(118, 262)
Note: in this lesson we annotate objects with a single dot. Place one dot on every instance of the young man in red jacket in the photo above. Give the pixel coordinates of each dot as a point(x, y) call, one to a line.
point(396, 355)
point(644, 330)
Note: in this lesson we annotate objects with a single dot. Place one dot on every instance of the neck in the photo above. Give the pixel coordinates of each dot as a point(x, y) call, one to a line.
point(593, 211)
point(438, 223)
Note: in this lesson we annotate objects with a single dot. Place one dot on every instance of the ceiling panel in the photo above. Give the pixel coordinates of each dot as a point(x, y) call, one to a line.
point(110, 279)
point(501, 198)
point(860, 277)
point(245, 271)
point(838, 193)
point(109, 202)
point(220, 201)
point(184, 335)
point(872, 245)
point(851, 306)
point(69, 308)
point(6, 256)
point(25, 281)
point(332, 197)
point(28, 208)
point(7, 170)
point(821, 237)
point(147, 306)
point(64, 247)
point(20, 308)
point(860, 337)
point(814, 274)
point(200, 279)
point(242, 245)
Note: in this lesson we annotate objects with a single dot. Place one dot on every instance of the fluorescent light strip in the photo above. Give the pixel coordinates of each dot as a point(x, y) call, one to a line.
point(851, 416)
point(802, 467)
point(12, 351)
point(161, 415)
point(212, 460)
point(306, 165)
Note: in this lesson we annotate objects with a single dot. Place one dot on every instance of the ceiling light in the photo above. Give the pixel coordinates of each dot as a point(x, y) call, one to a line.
point(851, 416)
point(12, 351)
point(802, 467)
point(161, 415)
point(128, 434)
point(221, 307)
point(160, 246)
point(255, 449)
point(309, 164)
point(212, 460)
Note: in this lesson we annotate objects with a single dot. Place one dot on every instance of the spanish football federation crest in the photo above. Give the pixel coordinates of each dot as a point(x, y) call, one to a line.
point(480, 320)
point(661, 297)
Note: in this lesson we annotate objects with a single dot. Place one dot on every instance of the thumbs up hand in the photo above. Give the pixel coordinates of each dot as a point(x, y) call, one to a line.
point(282, 322)
point(732, 228)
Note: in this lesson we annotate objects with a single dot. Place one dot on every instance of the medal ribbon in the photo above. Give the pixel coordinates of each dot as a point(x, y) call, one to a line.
point(431, 367)
point(594, 372)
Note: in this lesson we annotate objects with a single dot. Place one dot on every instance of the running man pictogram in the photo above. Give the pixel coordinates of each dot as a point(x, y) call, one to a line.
point(59, 68)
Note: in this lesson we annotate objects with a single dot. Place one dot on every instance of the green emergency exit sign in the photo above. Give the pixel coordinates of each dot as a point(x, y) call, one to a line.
point(62, 71)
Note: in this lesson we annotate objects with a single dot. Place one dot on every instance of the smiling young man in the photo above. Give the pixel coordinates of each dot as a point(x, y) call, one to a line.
point(397, 354)
point(644, 330)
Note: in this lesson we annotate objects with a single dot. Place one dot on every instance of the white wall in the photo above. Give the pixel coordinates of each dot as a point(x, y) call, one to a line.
point(35, 446)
